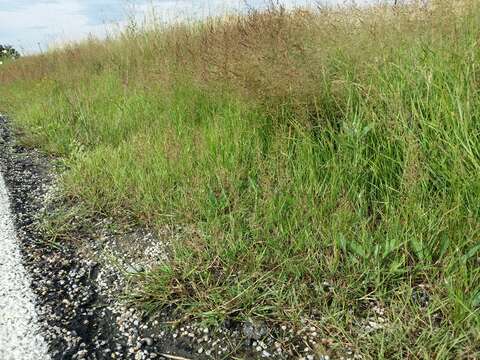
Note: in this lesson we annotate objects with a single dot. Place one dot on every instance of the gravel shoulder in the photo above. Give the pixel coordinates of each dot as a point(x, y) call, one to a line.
point(20, 335)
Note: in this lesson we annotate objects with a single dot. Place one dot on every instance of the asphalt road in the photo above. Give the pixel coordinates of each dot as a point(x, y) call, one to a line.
point(20, 334)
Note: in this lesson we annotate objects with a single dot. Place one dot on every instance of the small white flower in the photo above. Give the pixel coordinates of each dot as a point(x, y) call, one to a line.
point(4, 51)
point(1, 62)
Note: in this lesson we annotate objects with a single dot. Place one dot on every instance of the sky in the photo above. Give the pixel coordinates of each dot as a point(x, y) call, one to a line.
point(34, 25)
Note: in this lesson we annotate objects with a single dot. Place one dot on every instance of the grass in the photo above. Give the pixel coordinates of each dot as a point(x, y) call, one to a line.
point(316, 163)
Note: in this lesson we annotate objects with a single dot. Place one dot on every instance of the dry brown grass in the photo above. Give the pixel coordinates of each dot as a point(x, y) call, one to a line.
point(274, 56)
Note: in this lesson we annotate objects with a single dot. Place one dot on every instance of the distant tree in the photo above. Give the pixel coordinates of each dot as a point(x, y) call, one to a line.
point(8, 52)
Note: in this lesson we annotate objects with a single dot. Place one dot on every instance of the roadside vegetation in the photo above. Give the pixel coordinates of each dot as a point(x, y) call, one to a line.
point(7, 53)
point(320, 165)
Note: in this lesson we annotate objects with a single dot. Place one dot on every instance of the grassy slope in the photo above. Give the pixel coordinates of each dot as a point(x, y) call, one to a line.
point(293, 150)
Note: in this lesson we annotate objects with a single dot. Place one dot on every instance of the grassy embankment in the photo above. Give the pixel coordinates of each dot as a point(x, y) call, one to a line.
point(294, 150)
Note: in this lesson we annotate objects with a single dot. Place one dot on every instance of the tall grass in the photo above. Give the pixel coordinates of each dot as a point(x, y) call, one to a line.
point(314, 162)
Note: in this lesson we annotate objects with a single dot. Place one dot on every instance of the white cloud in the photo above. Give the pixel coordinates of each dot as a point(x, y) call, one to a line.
point(46, 22)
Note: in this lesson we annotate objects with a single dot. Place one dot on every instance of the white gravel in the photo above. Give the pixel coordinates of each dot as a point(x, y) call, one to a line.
point(20, 337)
